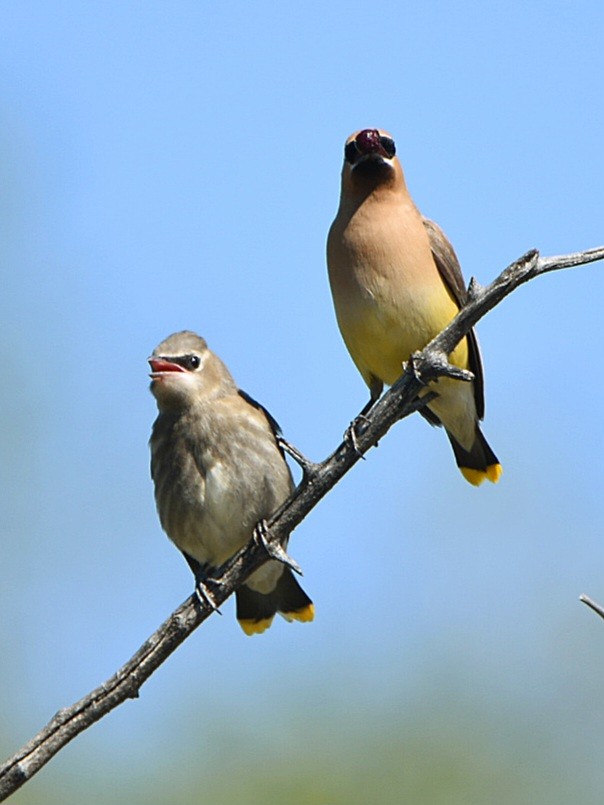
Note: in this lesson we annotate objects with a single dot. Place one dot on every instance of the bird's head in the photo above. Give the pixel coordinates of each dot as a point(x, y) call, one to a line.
point(185, 371)
point(370, 161)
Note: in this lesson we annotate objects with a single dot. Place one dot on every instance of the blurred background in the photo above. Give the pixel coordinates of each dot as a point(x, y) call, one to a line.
point(176, 165)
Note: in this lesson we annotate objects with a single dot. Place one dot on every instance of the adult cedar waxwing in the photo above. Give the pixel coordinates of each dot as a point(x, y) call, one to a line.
point(396, 283)
point(218, 471)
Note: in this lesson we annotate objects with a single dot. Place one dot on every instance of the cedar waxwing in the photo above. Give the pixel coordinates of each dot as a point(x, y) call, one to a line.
point(396, 283)
point(218, 471)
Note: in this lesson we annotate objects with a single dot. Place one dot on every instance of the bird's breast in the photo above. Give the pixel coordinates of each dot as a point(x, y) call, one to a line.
point(215, 477)
point(388, 294)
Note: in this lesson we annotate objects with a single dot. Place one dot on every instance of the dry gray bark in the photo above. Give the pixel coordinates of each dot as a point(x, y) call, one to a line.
point(318, 479)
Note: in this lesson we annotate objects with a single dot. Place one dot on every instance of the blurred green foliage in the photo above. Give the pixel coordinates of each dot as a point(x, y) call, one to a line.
point(439, 751)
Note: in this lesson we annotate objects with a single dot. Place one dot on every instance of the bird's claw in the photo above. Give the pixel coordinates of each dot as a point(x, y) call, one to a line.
point(359, 424)
point(204, 595)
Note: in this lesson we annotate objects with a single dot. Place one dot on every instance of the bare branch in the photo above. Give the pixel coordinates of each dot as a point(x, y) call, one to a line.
point(597, 608)
point(318, 479)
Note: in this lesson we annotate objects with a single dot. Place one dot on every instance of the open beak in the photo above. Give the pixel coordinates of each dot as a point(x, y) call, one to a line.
point(160, 367)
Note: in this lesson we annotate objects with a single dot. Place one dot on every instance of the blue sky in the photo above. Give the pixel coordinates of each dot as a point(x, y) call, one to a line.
point(171, 166)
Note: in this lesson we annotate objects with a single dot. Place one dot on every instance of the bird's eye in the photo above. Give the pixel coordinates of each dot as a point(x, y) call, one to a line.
point(351, 152)
point(193, 361)
point(387, 144)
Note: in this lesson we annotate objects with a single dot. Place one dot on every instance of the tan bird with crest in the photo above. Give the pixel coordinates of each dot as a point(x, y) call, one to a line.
point(396, 283)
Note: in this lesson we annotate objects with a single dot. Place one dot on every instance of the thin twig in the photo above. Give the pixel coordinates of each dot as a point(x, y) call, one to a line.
point(318, 479)
point(598, 608)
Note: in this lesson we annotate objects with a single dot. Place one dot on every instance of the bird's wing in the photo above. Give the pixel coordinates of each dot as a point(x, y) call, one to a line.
point(272, 422)
point(450, 270)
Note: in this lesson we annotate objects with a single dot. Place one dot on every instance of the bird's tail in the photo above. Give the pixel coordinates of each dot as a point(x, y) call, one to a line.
point(255, 611)
point(478, 463)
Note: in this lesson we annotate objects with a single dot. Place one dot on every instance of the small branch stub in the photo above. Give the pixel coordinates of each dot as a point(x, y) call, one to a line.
point(430, 364)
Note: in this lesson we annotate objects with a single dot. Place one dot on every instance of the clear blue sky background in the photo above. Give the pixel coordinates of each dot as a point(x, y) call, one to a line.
point(176, 165)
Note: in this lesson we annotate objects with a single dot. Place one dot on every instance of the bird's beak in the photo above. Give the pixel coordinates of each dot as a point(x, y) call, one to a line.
point(160, 366)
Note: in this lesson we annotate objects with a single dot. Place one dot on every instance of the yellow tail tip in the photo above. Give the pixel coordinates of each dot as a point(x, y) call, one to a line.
point(251, 627)
point(476, 477)
point(494, 472)
point(304, 615)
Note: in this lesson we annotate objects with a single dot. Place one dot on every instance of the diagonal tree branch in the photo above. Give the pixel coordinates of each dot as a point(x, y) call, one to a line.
point(318, 479)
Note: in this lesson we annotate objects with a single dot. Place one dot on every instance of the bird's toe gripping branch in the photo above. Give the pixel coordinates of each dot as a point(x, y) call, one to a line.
point(203, 583)
point(274, 549)
point(354, 430)
point(204, 595)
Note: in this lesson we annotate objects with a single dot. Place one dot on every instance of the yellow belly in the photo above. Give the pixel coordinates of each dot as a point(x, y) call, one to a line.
point(381, 334)
point(381, 337)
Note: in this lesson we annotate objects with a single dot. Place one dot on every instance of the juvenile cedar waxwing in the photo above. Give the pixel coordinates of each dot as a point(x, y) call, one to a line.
point(396, 283)
point(218, 471)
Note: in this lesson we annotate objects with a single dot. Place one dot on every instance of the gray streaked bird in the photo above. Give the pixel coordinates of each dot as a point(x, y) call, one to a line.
point(218, 471)
point(396, 283)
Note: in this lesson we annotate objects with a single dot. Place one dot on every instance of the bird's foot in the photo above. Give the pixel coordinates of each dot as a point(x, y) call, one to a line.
point(354, 430)
point(204, 594)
